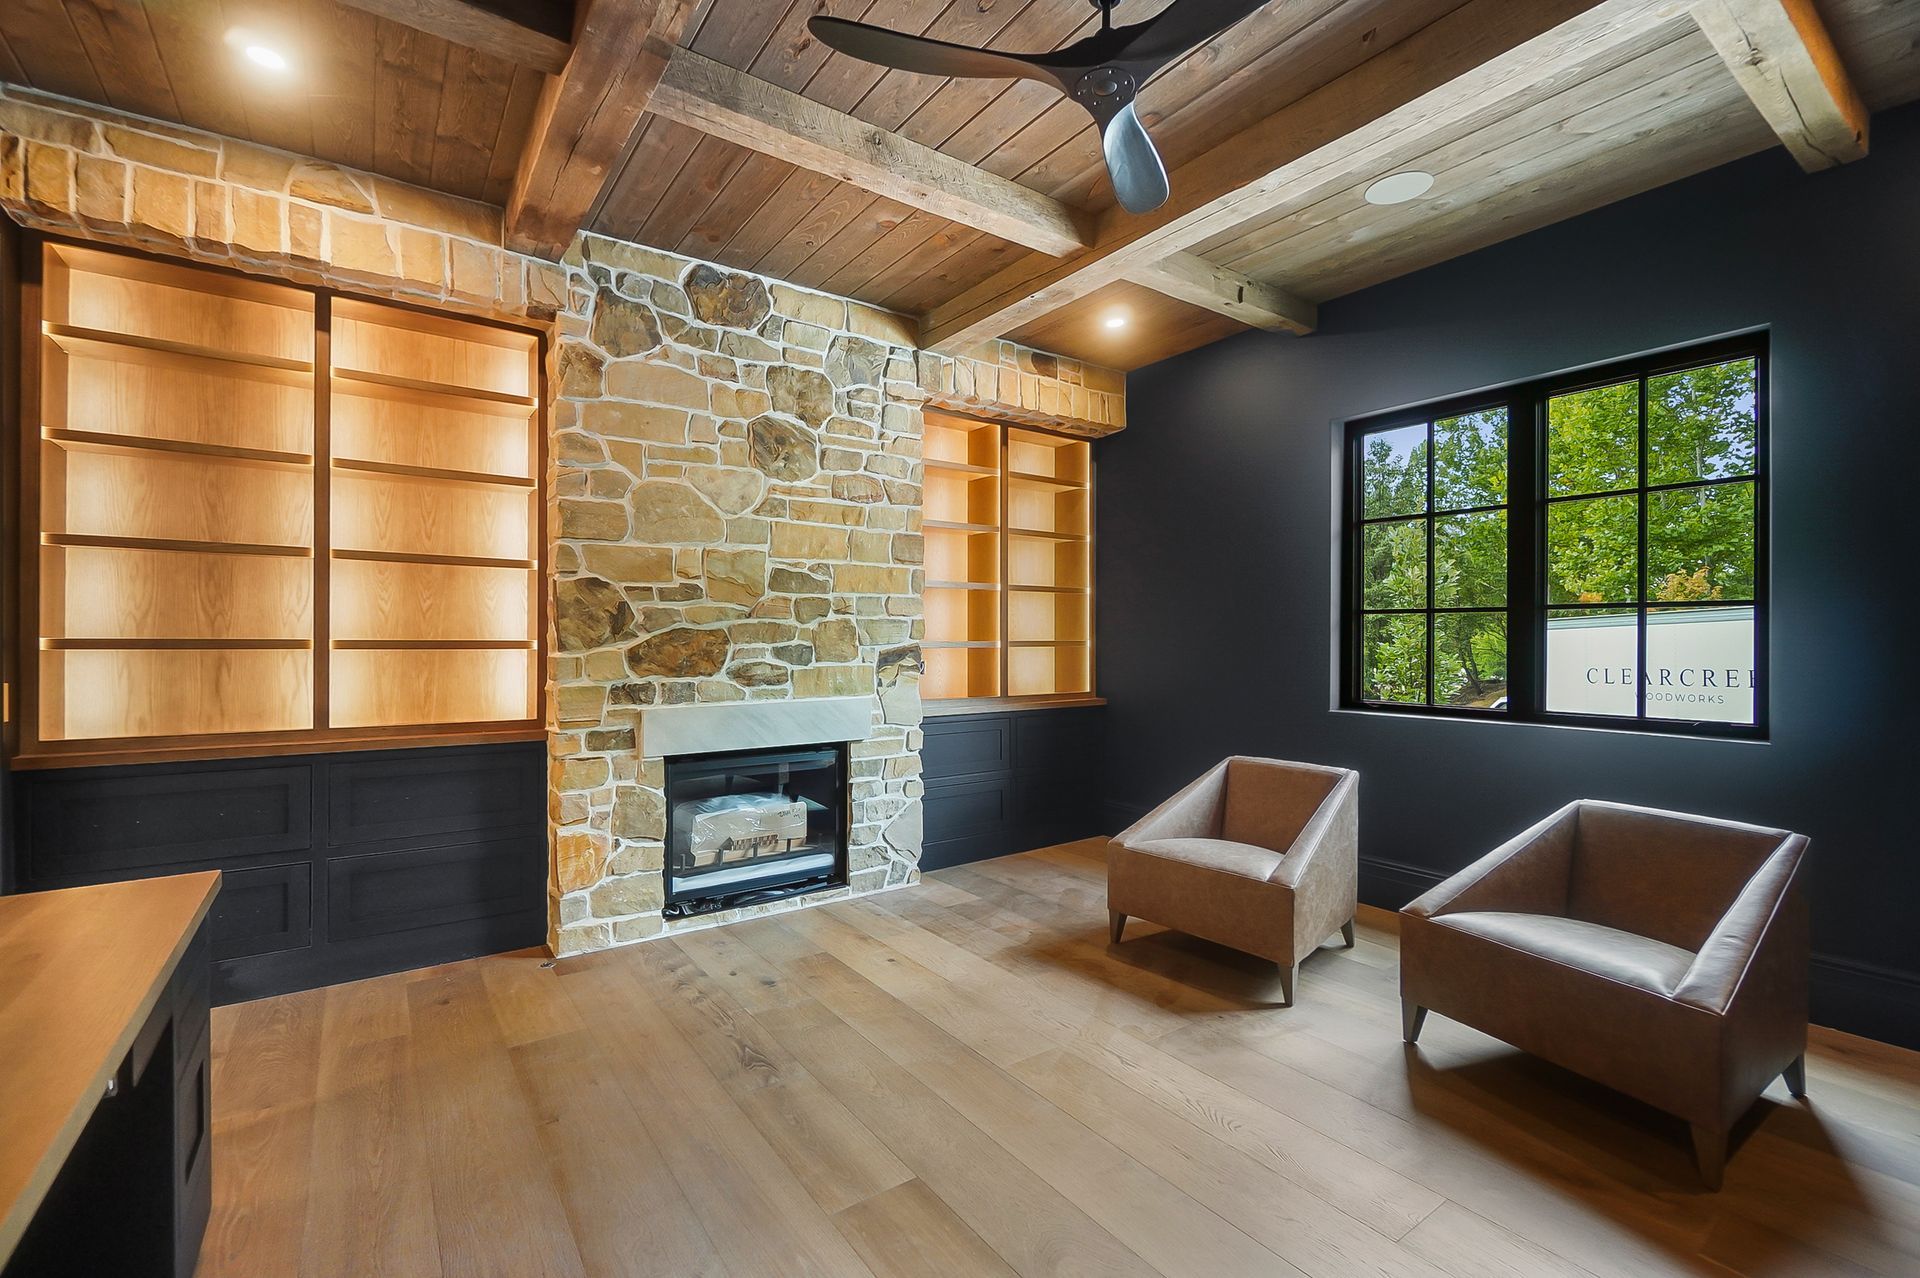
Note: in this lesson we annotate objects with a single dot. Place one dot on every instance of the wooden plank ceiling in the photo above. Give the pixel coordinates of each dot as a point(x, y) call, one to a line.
point(1281, 124)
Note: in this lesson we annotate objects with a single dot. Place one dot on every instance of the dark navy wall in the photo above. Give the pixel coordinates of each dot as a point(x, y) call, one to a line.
point(1216, 544)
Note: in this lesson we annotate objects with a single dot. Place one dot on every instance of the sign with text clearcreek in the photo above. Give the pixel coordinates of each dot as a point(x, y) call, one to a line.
point(1699, 664)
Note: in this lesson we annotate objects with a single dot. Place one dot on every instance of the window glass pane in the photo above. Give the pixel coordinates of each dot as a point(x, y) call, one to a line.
point(1593, 550)
point(1470, 460)
point(1700, 664)
point(1393, 659)
point(1591, 658)
point(1701, 423)
point(1470, 659)
point(1700, 543)
point(1394, 565)
point(1593, 440)
point(1393, 472)
point(1470, 560)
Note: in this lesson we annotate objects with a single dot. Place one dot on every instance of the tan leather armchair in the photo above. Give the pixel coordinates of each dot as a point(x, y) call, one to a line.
point(1257, 854)
point(1664, 955)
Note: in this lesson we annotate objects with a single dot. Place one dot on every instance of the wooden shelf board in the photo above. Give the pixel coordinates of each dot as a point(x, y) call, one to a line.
point(1029, 477)
point(107, 441)
point(963, 585)
point(127, 346)
point(964, 468)
point(434, 473)
point(168, 543)
point(359, 381)
point(1047, 643)
point(432, 645)
point(1050, 590)
point(97, 752)
point(960, 643)
point(948, 525)
point(1046, 535)
point(452, 561)
point(941, 707)
point(175, 645)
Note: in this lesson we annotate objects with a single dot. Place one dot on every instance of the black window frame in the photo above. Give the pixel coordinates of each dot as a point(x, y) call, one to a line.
point(1527, 504)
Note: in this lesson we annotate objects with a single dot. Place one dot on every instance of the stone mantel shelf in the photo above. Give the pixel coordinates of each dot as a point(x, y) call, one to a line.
point(666, 731)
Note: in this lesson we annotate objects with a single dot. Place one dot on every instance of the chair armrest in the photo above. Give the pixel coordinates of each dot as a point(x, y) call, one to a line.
point(1193, 813)
point(1741, 941)
point(1330, 839)
point(1527, 874)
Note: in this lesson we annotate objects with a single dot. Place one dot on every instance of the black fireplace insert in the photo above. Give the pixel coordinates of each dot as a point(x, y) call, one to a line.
point(755, 825)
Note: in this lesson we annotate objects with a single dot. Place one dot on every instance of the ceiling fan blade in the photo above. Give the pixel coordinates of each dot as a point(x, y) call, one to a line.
point(1180, 27)
point(1139, 178)
point(917, 53)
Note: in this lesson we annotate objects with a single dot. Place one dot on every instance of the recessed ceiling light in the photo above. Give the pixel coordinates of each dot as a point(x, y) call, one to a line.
point(1398, 188)
point(259, 49)
point(1115, 320)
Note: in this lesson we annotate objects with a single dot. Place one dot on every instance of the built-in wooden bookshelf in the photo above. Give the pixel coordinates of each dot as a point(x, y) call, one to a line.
point(1009, 532)
point(270, 516)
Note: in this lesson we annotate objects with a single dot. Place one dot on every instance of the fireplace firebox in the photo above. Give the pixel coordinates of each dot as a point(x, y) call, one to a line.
point(754, 825)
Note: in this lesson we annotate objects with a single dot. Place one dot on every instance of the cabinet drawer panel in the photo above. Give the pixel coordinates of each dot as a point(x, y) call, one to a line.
point(967, 747)
point(107, 822)
point(378, 893)
point(262, 911)
point(389, 797)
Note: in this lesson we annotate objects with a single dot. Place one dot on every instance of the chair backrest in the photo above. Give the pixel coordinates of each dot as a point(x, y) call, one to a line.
point(1661, 874)
point(1269, 803)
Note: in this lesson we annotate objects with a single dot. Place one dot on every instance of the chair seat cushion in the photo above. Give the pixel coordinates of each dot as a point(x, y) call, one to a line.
point(1241, 859)
point(1606, 952)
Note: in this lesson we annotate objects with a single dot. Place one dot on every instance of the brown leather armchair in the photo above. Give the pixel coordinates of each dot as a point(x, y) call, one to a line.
point(1664, 955)
point(1257, 854)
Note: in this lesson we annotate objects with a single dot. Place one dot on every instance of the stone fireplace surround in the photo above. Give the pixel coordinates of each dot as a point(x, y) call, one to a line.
point(734, 468)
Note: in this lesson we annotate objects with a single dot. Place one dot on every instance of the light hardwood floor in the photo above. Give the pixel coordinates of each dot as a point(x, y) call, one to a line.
point(964, 1078)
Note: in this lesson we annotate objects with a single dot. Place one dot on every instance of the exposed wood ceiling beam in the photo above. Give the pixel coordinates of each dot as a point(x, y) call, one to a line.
point(716, 99)
point(1783, 58)
point(1192, 278)
point(1478, 63)
point(530, 33)
point(726, 103)
point(587, 116)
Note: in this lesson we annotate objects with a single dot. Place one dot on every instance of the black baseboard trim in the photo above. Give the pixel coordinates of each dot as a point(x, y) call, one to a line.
point(1867, 999)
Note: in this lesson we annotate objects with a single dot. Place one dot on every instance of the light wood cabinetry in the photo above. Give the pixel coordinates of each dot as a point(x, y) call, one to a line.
point(260, 516)
point(1009, 532)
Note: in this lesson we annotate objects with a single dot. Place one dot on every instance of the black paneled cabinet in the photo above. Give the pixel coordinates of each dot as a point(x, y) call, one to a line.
point(1009, 781)
point(336, 866)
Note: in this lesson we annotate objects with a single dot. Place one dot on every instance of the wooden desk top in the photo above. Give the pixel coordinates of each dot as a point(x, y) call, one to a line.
point(80, 970)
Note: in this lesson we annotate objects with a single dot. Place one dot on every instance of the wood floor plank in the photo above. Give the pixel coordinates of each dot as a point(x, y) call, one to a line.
point(966, 1077)
point(525, 997)
point(1322, 1166)
point(759, 1216)
point(370, 1197)
point(908, 1232)
point(1017, 1213)
point(1154, 1218)
point(495, 1209)
point(610, 1174)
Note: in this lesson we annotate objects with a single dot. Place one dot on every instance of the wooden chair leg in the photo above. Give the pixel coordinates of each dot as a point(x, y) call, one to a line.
point(1346, 933)
point(1116, 922)
point(1710, 1154)
point(1287, 972)
point(1796, 1076)
point(1412, 1017)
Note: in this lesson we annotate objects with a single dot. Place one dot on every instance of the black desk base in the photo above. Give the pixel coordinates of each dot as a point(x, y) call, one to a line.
point(133, 1198)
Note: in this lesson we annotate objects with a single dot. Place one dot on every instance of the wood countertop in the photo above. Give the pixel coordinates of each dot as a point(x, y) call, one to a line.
point(80, 971)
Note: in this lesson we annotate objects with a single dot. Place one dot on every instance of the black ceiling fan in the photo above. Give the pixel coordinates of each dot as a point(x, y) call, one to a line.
point(1103, 73)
